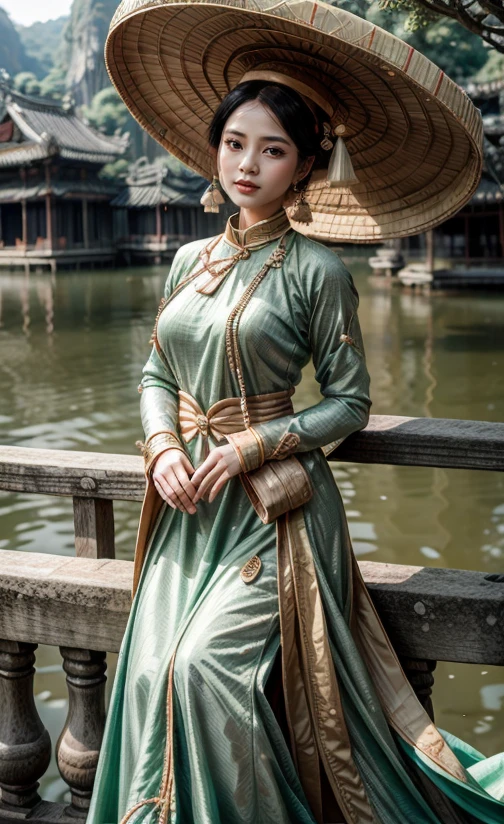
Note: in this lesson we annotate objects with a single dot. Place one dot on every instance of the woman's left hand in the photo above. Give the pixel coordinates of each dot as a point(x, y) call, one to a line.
point(221, 464)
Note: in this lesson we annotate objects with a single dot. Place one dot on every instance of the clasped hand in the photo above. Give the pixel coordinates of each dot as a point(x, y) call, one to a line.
point(181, 486)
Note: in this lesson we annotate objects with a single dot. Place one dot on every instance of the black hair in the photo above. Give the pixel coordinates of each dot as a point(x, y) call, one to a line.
point(302, 125)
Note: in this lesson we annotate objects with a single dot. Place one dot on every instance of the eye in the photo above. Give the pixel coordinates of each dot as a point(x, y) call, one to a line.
point(275, 151)
point(232, 143)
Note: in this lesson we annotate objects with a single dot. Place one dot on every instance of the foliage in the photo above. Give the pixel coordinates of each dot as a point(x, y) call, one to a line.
point(43, 42)
point(107, 112)
point(484, 18)
point(116, 170)
point(450, 46)
point(13, 57)
point(27, 83)
point(492, 70)
point(53, 85)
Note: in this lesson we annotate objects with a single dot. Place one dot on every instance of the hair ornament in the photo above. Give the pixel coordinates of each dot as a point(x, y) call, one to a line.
point(340, 171)
point(212, 197)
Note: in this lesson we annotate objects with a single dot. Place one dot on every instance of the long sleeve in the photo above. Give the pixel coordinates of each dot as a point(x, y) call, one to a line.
point(337, 349)
point(158, 387)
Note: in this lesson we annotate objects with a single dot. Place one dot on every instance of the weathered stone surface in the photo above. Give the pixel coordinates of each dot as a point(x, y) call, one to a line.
point(439, 614)
point(79, 744)
point(426, 442)
point(82, 474)
point(73, 602)
point(431, 614)
point(25, 746)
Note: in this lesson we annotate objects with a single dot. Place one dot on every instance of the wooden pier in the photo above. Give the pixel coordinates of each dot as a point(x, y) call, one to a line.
point(81, 604)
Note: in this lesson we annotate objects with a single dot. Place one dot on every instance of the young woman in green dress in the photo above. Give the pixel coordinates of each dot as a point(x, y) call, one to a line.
point(255, 682)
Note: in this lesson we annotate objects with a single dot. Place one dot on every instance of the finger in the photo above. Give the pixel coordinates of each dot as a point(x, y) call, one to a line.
point(164, 495)
point(208, 481)
point(203, 470)
point(171, 493)
point(189, 468)
point(179, 490)
point(222, 481)
point(184, 480)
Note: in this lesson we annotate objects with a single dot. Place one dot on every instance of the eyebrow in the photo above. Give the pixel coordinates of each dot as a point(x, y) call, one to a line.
point(274, 138)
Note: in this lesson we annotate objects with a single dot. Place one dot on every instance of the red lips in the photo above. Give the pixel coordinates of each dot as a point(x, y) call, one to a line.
point(246, 184)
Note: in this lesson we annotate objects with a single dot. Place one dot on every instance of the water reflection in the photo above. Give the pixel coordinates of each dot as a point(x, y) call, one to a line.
point(72, 349)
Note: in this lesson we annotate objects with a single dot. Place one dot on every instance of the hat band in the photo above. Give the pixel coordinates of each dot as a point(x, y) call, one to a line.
point(286, 80)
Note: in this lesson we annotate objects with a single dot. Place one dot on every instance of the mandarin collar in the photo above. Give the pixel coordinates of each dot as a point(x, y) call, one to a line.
point(259, 234)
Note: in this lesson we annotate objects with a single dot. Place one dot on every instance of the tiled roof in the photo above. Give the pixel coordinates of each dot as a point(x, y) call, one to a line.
point(48, 128)
point(149, 184)
point(489, 192)
point(64, 189)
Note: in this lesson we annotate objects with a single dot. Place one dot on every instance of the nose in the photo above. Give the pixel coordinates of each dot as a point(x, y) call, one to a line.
point(248, 164)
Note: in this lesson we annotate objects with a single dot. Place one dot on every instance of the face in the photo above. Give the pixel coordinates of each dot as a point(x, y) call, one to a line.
point(257, 161)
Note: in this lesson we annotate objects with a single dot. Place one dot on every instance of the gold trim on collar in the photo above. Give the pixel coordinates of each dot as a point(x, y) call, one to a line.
point(259, 234)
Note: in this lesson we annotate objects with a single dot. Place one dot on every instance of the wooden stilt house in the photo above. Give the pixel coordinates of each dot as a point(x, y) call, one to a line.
point(54, 208)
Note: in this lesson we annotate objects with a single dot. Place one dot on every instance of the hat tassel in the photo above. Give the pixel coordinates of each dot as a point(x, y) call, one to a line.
point(212, 197)
point(340, 171)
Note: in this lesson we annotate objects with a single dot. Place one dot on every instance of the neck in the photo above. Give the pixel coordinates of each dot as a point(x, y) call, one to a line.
point(250, 216)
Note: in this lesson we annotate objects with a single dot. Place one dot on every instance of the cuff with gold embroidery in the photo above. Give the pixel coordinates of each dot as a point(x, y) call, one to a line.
point(285, 446)
point(155, 445)
point(249, 447)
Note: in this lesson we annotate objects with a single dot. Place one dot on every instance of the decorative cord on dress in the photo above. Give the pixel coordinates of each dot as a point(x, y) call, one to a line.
point(274, 261)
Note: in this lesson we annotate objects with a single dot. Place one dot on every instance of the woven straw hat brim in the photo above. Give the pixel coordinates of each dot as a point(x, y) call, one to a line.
point(414, 136)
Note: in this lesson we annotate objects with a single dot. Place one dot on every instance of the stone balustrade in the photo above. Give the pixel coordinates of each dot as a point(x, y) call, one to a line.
point(81, 604)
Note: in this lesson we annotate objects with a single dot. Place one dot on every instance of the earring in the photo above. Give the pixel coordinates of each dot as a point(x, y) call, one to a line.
point(300, 210)
point(212, 197)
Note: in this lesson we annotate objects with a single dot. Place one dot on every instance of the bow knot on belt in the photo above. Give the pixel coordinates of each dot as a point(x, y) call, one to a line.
point(226, 416)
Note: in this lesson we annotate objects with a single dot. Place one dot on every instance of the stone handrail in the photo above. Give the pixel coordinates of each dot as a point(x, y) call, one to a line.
point(81, 604)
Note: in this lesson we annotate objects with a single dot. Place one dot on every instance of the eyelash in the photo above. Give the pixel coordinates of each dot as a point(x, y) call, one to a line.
point(230, 140)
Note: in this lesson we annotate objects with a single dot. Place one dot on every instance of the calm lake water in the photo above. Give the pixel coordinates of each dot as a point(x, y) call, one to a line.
point(72, 349)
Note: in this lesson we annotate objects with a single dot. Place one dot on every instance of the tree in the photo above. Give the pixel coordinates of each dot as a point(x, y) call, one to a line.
point(107, 112)
point(27, 83)
point(482, 17)
point(53, 84)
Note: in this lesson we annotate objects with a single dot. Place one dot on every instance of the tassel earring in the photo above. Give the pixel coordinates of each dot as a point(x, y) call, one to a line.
point(212, 197)
point(340, 171)
point(300, 210)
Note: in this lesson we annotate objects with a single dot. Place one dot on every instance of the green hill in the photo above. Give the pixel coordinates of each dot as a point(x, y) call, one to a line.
point(13, 55)
point(44, 43)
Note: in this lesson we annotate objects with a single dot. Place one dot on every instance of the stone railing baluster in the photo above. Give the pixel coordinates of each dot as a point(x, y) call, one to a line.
point(419, 674)
point(78, 746)
point(25, 746)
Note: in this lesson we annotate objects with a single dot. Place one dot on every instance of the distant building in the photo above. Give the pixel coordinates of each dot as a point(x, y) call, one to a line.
point(54, 208)
point(475, 235)
point(157, 211)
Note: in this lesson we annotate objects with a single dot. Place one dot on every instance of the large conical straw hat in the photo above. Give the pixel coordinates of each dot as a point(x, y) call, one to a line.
point(413, 135)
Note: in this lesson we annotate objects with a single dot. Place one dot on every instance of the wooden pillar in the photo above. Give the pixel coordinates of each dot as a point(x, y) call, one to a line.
point(49, 232)
point(24, 222)
point(466, 236)
point(85, 223)
point(158, 222)
point(501, 229)
point(94, 526)
point(429, 242)
point(1, 231)
point(25, 746)
point(79, 744)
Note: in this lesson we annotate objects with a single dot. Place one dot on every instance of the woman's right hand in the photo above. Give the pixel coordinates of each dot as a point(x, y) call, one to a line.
point(171, 477)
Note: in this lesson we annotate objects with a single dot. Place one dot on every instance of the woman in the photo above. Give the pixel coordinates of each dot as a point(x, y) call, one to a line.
point(197, 729)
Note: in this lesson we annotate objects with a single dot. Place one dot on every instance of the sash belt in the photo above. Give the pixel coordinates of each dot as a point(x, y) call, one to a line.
point(226, 416)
